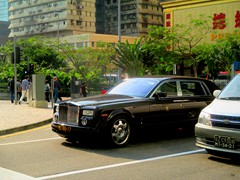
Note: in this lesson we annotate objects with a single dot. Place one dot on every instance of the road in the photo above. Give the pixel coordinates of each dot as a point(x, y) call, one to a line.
point(41, 154)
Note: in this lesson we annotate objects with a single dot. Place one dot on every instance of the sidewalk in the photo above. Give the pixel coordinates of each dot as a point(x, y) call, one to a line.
point(14, 118)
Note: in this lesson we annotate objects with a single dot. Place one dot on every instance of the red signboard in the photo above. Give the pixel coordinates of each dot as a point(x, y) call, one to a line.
point(219, 21)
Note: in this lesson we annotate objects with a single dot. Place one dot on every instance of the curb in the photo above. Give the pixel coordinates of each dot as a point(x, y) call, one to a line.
point(23, 128)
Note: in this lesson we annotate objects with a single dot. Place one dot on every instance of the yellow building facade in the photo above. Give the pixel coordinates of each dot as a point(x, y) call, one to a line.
point(225, 14)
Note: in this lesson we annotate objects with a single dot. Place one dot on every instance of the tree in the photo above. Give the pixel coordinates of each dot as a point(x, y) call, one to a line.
point(157, 47)
point(129, 58)
point(42, 52)
point(39, 51)
point(88, 63)
point(5, 51)
point(219, 56)
point(188, 36)
point(176, 44)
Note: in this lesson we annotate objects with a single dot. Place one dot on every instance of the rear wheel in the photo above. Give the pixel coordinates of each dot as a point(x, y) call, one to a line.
point(120, 131)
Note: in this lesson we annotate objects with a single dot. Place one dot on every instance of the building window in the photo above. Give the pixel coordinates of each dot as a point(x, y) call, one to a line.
point(80, 44)
point(144, 25)
point(144, 6)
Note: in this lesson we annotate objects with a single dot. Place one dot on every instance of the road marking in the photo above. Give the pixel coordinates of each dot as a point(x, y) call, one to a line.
point(8, 174)
point(118, 165)
point(22, 142)
point(25, 131)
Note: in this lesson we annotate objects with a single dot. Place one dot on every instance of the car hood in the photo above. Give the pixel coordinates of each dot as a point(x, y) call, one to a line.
point(223, 107)
point(99, 100)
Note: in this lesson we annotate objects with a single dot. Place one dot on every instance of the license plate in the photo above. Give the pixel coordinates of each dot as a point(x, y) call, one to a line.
point(64, 128)
point(224, 142)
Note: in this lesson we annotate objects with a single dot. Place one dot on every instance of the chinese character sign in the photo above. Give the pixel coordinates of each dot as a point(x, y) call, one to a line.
point(237, 19)
point(168, 20)
point(219, 21)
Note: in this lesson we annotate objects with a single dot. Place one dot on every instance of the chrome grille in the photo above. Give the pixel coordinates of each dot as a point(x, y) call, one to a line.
point(226, 121)
point(69, 114)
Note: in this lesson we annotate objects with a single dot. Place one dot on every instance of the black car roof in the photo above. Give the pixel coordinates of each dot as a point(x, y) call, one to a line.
point(161, 77)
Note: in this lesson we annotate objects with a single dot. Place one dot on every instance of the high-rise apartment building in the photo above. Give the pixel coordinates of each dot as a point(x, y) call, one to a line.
point(52, 17)
point(58, 18)
point(3, 10)
point(136, 16)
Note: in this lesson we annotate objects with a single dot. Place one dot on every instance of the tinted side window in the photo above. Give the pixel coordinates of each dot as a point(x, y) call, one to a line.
point(169, 87)
point(191, 88)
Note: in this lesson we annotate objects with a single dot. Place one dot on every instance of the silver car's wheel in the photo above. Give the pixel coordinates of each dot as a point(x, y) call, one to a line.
point(120, 132)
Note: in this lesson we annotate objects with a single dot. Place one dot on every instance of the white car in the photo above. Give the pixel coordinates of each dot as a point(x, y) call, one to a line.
point(218, 127)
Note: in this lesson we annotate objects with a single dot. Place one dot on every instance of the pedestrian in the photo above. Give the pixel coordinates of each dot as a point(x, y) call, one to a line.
point(19, 90)
point(12, 89)
point(56, 88)
point(83, 90)
point(25, 87)
point(47, 91)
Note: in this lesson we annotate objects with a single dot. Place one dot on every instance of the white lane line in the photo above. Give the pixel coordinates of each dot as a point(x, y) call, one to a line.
point(22, 142)
point(12, 175)
point(118, 165)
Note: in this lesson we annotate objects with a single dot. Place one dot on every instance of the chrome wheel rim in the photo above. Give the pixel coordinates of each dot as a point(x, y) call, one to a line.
point(120, 132)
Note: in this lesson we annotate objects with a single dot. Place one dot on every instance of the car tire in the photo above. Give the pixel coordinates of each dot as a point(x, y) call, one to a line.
point(120, 131)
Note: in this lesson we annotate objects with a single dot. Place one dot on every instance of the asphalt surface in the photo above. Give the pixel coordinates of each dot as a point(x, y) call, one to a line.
point(15, 118)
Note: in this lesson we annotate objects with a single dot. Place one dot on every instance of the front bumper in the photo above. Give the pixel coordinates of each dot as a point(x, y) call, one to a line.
point(71, 131)
point(205, 137)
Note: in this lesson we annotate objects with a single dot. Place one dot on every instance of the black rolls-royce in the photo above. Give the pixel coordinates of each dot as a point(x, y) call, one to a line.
point(154, 102)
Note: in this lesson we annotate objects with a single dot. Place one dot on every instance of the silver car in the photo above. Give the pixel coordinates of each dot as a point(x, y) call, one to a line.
point(218, 127)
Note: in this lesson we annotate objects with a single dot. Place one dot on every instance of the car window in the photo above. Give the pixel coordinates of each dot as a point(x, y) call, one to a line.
point(191, 88)
point(135, 87)
point(232, 90)
point(169, 87)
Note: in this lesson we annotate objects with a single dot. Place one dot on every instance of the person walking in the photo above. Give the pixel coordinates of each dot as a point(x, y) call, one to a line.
point(12, 89)
point(47, 91)
point(25, 86)
point(83, 90)
point(19, 90)
point(56, 88)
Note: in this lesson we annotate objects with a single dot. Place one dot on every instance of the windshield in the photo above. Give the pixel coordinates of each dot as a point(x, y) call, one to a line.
point(232, 90)
point(135, 87)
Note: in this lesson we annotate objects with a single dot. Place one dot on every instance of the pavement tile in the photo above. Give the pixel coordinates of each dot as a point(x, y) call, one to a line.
point(15, 118)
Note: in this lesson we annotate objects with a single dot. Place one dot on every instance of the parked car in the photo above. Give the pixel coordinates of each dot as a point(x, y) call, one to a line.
point(218, 127)
point(222, 80)
point(138, 102)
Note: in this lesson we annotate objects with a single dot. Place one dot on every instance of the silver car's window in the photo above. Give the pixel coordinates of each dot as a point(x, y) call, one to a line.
point(232, 90)
point(135, 87)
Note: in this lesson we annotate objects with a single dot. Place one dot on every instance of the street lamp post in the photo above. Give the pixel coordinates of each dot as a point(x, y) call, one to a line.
point(58, 11)
point(15, 72)
point(119, 21)
point(119, 34)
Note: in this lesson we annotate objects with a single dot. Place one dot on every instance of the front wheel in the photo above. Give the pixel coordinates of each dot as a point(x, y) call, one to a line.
point(120, 131)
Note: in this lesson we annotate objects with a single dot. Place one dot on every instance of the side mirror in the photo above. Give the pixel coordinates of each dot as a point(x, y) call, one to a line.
point(161, 95)
point(216, 93)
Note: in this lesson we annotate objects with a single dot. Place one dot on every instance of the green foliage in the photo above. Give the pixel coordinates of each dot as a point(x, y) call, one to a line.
point(87, 64)
point(5, 52)
point(36, 50)
point(129, 58)
point(157, 46)
point(219, 56)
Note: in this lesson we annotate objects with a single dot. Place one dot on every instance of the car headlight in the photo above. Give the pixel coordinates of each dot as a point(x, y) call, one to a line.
point(205, 118)
point(87, 112)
